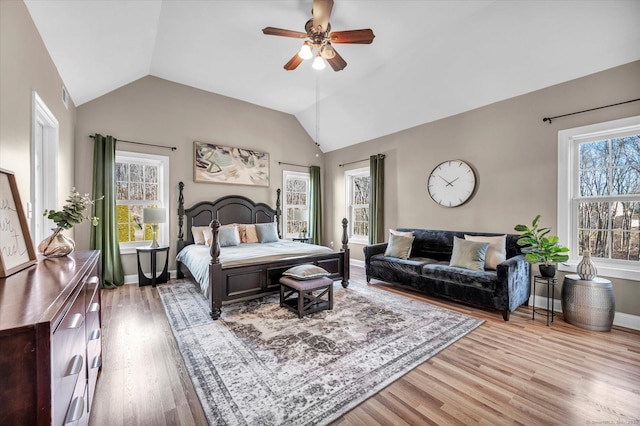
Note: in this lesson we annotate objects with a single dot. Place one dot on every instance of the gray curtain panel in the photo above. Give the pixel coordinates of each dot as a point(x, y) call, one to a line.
point(104, 237)
point(376, 199)
point(315, 206)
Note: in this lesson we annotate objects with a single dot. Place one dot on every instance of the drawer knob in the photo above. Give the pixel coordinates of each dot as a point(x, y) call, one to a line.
point(76, 320)
point(93, 280)
point(75, 366)
point(94, 307)
point(76, 409)
point(96, 361)
point(95, 334)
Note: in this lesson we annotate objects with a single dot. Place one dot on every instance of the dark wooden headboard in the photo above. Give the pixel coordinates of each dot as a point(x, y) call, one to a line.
point(228, 209)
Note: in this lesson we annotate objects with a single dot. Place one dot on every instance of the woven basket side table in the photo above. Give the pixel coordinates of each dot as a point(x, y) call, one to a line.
point(588, 304)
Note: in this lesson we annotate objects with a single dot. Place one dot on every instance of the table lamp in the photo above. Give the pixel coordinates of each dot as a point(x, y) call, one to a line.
point(302, 215)
point(154, 216)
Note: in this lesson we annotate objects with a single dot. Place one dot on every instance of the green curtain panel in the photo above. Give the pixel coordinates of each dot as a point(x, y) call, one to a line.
point(104, 237)
point(376, 199)
point(315, 206)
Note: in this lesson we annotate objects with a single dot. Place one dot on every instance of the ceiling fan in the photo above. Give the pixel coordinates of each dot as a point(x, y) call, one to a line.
point(319, 38)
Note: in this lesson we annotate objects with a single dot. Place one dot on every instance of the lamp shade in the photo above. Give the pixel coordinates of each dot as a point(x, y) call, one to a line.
point(301, 215)
point(154, 215)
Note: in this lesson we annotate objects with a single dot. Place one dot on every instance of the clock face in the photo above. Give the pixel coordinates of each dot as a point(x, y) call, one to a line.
point(451, 183)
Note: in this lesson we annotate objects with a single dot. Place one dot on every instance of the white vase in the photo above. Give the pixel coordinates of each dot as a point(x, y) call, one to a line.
point(586, 269)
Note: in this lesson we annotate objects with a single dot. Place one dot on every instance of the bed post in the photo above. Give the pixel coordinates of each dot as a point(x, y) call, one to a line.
point(278, 212)
point(180, 243)
point(345, 250)
point(215, 272)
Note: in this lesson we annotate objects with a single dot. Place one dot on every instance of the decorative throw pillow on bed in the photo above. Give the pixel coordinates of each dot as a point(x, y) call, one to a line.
point(267, 232)
point(468, 254)
point(306, 272)
point(251, 236)
point(399, 246)
point(197, 232)
point(497, 251)
point(228, 236)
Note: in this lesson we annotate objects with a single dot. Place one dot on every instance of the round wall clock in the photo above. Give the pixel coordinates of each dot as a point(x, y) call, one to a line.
point(451, 183)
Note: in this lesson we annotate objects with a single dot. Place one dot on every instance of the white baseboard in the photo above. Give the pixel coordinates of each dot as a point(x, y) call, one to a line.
point(356, 262)
point(620, 319)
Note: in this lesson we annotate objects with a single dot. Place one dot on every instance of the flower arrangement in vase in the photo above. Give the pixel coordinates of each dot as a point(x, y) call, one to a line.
point(73, 213)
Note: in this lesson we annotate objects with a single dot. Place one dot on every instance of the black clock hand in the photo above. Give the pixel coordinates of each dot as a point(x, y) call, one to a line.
point(448, 183)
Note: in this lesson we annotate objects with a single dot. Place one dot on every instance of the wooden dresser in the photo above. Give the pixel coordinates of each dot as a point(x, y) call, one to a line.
point(50, 341)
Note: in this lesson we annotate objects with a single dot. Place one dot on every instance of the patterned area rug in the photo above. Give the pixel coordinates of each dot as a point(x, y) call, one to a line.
point(261, 365)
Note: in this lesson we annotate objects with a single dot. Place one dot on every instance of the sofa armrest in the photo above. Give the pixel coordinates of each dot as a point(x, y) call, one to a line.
point(373, 250)
point(514, 280)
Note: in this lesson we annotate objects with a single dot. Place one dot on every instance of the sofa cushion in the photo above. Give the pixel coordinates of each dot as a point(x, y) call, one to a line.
point(412, 265)
point(440, 271)
point(468, 254)
point(399, 246)
point(497, 251)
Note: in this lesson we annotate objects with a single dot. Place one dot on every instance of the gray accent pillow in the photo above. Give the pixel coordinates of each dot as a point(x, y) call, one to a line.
point(468, 254)
point(228, 236)
point(399, 246)
point(306, 272)
point(267, 232)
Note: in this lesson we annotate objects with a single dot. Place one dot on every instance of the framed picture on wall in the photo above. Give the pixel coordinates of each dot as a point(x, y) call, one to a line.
point(16, 248)
point(224, 164)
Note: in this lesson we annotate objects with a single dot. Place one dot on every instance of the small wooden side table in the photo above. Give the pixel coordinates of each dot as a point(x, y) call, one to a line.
point(551, 287)
point(164, 276)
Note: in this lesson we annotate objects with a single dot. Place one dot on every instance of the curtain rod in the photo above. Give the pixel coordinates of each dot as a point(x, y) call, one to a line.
point(291, 164)
point(359, 161)
point(587, 110)
point(172, 148)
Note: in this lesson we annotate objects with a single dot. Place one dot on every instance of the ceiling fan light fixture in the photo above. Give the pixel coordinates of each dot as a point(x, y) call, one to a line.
point(318, 63)
point(305, 51)
point(327, 51)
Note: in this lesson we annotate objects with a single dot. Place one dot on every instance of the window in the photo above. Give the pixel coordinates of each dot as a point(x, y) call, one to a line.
point(599, 195)
point(296, 204)
point(357, 191)
point(141, 181)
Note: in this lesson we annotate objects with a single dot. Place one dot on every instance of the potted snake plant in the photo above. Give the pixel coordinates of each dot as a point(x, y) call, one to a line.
point(542, 248)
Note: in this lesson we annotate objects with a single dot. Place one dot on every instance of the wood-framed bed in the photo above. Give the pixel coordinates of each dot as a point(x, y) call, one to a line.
point(236, 283)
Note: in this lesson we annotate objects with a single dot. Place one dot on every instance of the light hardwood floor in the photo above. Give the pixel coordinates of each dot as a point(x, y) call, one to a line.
point(515, 372)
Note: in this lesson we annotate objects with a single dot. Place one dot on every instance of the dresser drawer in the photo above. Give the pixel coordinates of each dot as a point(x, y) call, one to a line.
point(68, 358)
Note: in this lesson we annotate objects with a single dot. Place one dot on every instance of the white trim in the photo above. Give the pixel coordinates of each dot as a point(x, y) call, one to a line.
point(567, 187)
point(357, 262)
point(621, 319)
point(349, 174)
point(44, 167)
point(291, 174)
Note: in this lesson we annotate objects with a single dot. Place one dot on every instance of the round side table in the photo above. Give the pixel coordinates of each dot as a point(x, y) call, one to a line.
point(588, 304)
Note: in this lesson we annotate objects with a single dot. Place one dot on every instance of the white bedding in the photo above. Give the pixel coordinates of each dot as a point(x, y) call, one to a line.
point(196, 257)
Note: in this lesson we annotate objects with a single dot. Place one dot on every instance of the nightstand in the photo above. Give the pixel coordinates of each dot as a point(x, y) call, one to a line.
point(306, 240)
point(164, 276)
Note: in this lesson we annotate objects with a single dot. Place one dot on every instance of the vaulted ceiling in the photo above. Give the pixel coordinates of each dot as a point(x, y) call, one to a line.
point(429, 59)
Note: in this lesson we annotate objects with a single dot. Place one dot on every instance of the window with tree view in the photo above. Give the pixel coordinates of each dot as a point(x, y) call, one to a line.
point(296, 204)
point(358, 188)
point(608, 203)
point(139, 184)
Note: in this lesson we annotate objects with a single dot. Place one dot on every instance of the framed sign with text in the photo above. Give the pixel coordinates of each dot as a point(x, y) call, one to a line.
point(16, 248)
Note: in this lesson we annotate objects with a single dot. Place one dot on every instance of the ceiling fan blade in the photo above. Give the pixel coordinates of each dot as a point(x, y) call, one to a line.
point(352, 36)
point(321, 14)
point(283, 33)
point(293, 63)
point(337, 63)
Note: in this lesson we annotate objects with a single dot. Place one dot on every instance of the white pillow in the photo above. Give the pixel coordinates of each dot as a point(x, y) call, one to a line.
point(399, 246)
point(306, 272)
point(497, 251)
point(197, 232)
point(401, 233)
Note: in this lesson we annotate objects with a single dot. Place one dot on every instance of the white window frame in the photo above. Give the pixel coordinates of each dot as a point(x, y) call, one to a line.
point(286, 175)
point(163, 192)
point(568, 141)
point(349, 175)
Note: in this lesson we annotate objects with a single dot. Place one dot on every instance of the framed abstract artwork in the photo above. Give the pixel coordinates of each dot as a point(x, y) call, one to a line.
point(224, 164)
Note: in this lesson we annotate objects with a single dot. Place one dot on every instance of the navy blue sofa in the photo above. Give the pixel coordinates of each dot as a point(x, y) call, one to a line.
point(428, 271)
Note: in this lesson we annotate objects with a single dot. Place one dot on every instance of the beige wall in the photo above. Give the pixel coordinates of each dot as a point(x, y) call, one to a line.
point(153, 110)
point(514, 155)
point(25, 66)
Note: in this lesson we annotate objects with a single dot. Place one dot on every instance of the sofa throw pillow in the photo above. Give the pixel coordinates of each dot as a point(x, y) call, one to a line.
point(197, 232)
point(468, 254)
point(267, 232)
point(497, 251)
point(228, 236)
point(401, 233)
point(306, 272)
point(399, 246)
point(250, 234)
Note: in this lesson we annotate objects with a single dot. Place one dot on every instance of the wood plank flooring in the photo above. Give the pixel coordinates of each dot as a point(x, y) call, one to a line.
point(515, 372)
